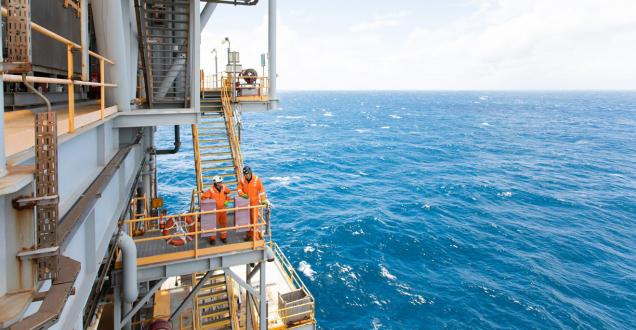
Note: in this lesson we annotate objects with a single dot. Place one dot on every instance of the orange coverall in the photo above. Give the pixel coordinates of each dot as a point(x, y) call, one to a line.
point(256, 193)
point(220, 196)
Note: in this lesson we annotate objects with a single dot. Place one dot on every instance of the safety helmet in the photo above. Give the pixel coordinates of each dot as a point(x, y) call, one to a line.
point(217, 179)
point(246, 169)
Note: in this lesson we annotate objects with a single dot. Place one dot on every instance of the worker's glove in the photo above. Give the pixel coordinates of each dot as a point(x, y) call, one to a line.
point(226, 203)
point(266, 202)
point(244, 196)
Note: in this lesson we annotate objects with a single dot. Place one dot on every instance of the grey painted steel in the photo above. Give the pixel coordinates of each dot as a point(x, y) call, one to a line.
point(240, 281)
point(109, 30)
point(248, 301)
point(50, 53)
point(133, 47)
point(202, 264)
point(84, 36)
point(188, 299)
point(271, 45)
point(262, 310)
point(195, 56)
point(206, 13)
point(142, 302)
point(147, 118)
point(125, 310)
point(177, 67)
point(129, 252)
point(3, 161)
point(117, 309)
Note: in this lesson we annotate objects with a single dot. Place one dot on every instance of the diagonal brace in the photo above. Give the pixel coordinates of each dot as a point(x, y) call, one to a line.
point(240, 281)
point(188, 299)
point(141, 302)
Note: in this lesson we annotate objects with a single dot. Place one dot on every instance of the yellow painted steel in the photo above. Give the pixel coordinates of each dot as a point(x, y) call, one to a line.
point(102, 94)
point(71, 89)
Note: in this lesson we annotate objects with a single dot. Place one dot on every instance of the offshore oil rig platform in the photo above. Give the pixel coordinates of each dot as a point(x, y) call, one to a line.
point(86, 240)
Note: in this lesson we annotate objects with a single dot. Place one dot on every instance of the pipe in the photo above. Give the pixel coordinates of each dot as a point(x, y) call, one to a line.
point(129, 253)
point(177, 143)
point(271, 45)
point(36, 92)
point(47, 80)
point(111, 38)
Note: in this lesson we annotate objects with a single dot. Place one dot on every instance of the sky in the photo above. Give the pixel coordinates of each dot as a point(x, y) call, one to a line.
point(436, 44)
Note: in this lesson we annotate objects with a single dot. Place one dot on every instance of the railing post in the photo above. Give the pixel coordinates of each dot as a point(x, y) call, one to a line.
point(101, 88)
point(71, 89)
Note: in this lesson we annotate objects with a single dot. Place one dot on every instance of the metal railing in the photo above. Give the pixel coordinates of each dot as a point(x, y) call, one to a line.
point(296, 283)
point(257, 89)
point(70, 82)
point(154, 224)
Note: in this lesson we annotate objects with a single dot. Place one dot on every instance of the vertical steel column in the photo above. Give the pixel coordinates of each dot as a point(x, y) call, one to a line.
point(248, 303)
point(262, 310)
point(271, 45)
point(71, 90)
point(194, 56)
point(117, 309)
point(3, 161)
point(84, 38)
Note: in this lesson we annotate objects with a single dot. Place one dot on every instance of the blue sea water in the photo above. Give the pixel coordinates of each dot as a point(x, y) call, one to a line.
point(491, 210)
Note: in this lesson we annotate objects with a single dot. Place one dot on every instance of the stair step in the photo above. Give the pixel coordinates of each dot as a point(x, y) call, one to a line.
point(213, 304)
point(211, 295)
point(215, 314)
point(215, 324)
point(213, 286)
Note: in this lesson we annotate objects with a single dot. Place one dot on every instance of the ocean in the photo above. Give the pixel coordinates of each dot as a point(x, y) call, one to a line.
point(424, 210)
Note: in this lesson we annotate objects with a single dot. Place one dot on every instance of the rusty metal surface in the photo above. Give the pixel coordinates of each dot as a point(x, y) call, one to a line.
point(46, 185)
point(19, 34)
point(54, 300)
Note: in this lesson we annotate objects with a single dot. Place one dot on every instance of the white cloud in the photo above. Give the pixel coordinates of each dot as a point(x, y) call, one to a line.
point(374, 25)
point(504, 44)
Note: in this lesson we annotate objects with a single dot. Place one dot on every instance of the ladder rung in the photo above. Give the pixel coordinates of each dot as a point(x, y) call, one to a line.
point(216, 153)
point(214, 147)
point(212, 140)
point(214, 169)
point(211, 161)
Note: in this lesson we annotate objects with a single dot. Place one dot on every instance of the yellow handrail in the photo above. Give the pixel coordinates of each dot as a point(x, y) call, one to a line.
point(69, 82)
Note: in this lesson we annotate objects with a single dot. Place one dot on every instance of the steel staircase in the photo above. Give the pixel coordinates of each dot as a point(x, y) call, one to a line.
point(213, 302)
point(216, 145)
point(164, 29)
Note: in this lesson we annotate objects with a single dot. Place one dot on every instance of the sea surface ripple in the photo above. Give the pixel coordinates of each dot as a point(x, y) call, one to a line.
point(491, 210)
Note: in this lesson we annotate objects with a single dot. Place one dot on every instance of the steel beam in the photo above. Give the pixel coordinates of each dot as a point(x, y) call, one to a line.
point(153, 117)
point(262, 310)
point(199, 265)
point(141, 302)
point(240, 281)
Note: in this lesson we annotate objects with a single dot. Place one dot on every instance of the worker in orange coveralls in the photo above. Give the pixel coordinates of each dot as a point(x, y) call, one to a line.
point(221, 194)
point(251, 187)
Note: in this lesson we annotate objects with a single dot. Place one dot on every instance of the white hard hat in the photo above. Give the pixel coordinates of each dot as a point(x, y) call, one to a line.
point(217, 179)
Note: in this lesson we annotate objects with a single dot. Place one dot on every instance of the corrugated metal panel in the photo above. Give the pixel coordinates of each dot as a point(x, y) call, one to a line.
point(52, 15)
